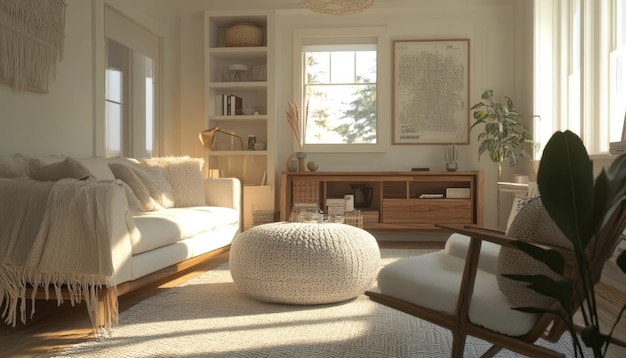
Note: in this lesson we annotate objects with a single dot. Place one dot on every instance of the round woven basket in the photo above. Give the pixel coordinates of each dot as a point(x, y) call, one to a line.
point(243, 34)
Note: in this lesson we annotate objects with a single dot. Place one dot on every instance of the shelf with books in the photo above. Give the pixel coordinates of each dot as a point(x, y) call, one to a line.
point(241, 71)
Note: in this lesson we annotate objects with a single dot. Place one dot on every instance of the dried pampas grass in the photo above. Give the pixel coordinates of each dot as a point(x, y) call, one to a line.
point(293, 118)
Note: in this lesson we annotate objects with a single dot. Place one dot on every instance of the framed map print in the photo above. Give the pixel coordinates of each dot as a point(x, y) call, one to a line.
point(431, 91)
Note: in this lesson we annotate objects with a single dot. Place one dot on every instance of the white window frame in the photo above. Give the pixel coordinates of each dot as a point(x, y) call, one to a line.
point(554, 100)
point(304, 36)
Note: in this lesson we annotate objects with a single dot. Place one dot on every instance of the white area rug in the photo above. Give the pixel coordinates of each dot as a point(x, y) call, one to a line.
point(209, 317)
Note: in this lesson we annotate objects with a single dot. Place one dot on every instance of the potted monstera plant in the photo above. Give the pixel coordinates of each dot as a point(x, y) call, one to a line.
point(578, 205)
point(504, 136)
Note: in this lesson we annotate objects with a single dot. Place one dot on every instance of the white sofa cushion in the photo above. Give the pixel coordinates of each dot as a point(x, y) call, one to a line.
point(458, 244)
point(433, 281)
point(168, 226)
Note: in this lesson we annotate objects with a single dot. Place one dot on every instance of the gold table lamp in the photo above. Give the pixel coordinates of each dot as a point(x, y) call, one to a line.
point(207, 137)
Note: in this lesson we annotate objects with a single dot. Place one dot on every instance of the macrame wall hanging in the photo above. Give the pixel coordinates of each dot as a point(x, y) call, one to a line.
point(31, 42)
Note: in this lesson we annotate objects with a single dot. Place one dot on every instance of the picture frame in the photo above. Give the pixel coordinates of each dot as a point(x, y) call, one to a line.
point(431, 91)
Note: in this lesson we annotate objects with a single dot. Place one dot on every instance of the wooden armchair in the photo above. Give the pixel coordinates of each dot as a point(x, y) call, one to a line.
point(460, 295)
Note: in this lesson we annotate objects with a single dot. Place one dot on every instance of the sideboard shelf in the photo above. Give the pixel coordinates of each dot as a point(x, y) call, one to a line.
point(397, 198)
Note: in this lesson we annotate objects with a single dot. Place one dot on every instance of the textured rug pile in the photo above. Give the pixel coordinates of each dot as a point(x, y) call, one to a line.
point(209, 317)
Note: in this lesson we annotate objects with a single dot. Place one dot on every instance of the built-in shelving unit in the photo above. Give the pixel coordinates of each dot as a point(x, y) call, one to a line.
point(255, 168)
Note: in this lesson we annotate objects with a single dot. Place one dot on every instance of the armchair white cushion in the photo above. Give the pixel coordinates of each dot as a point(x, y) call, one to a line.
point(433, 280)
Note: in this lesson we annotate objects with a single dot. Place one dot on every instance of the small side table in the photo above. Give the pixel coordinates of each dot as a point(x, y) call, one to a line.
point(519, 190)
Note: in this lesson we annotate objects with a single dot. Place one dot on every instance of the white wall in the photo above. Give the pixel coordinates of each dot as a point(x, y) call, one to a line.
point(61, 122)
point(501, 57)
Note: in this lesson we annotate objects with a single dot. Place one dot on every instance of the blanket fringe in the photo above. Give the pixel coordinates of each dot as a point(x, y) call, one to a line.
point(32, 34)
point(103, 312)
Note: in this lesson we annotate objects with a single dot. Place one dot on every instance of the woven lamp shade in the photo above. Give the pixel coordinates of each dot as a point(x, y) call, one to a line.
point(338, 7)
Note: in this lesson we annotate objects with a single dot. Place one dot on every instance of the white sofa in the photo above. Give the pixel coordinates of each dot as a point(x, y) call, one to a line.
point(202, 216)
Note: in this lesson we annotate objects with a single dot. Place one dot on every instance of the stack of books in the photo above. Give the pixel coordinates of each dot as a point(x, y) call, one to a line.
point(617, 147)
point(228, 105)
point(335, 206)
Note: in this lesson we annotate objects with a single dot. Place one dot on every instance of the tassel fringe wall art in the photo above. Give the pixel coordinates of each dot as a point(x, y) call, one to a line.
point(31, 41)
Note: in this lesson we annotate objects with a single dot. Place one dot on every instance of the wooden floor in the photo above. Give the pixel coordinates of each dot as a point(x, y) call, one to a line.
point(53, 328)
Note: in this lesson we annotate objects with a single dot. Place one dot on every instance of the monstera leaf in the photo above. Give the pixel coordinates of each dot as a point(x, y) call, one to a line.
point(578, 205)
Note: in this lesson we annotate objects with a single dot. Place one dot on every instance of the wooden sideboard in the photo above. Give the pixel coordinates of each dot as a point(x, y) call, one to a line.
point(397, 198)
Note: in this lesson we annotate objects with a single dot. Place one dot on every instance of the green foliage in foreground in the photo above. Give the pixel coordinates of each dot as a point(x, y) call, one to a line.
point(578, 204)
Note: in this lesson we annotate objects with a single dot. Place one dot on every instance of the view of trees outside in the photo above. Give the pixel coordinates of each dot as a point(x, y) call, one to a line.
point(341, 95)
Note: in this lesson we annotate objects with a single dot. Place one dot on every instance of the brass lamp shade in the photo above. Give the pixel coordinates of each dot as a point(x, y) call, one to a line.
point(207, 137)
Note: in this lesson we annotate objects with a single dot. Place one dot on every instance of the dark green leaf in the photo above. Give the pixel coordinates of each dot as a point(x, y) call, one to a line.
point(477, 105)
point(565, 180)
point(494, 155)
point(561, 290)
point(513, 161)
point(536, 310)
point(592, 337)
point(509, 103)
point(487, 94)
point(621, 261)
point(550, 258)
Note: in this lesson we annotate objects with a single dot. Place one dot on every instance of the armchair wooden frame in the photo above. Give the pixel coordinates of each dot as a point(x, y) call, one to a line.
point(547, 326)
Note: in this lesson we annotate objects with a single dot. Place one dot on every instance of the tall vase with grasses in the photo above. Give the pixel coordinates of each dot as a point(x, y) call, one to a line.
point(293, 118)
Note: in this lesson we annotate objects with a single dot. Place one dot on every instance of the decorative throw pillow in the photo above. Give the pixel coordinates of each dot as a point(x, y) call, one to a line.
point(125, 173)
point(185, 176)
point(532, 223)
point(67, 168)
point(155, 181)
point(13, 166)
point(133, 202)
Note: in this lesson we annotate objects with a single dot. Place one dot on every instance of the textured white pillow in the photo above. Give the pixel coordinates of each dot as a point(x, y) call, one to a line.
point(13, 166)
point(133, 202)
point(185, 176)
point(532, 223)
point(125, 173)
point(159, 188)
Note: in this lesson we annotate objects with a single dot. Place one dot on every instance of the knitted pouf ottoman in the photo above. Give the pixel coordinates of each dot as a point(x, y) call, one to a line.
point(302, 263)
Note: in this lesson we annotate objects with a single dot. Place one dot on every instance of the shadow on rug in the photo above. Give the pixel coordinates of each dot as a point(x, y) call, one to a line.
point(209, 317)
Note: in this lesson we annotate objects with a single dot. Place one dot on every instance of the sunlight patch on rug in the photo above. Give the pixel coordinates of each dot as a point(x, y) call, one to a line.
point(209, 316)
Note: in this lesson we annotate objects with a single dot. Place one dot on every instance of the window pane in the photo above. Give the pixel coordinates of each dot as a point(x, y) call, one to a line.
point(342, 67)
point(149, 115)
point(340, 114)
point(113, 117)
point(114, 85)
point(339, 93)
point(365, 66)
point(317, 67)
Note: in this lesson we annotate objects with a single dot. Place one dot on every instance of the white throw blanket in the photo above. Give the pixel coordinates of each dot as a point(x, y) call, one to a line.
point(53, 233)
